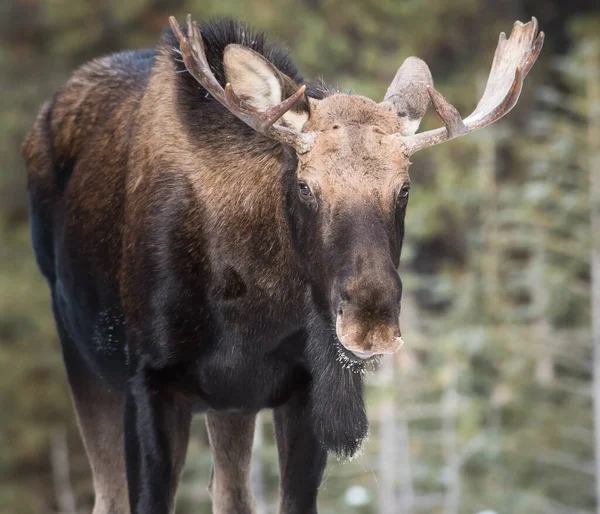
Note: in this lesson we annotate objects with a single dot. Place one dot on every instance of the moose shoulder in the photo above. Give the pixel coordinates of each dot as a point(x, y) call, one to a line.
point(221, 236)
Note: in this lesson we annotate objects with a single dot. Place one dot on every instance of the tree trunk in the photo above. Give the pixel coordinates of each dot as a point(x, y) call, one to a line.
point(489, 257)
point(592, 65)
point(406, 493)
point(65, 499)
point(387, 440)
point(451, 455)
point(544, 342)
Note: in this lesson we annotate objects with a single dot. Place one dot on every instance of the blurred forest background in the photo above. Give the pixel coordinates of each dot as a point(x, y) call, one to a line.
point(489, 406)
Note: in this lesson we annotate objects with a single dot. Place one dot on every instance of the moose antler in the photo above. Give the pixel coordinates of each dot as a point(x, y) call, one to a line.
point(513, 59)
point(261, 120)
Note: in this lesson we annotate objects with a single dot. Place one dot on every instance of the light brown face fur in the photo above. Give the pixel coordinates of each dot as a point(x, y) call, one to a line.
point(355, 155)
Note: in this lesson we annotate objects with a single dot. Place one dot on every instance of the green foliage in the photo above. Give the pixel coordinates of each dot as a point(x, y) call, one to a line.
point(494, 383)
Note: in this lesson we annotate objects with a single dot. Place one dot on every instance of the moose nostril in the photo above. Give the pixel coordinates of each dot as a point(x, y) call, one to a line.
point(340, 311)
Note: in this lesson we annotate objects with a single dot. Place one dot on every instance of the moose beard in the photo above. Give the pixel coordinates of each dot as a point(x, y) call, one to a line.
point(336, 393)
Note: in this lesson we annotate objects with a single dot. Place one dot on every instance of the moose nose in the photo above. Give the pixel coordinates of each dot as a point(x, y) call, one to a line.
point(376, 291)
point(367, 320)
point(365, 342)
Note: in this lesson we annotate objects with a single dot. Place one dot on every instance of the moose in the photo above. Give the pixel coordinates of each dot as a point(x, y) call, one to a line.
point(221, 236)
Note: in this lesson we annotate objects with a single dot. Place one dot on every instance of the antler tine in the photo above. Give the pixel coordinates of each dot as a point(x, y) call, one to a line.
point(194, 57)
point(272, 114)
point(447, 112)
point(261, 120)
point(513, 59)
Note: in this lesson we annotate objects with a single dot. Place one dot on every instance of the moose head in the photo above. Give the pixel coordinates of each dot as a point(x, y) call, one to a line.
point(351, 183)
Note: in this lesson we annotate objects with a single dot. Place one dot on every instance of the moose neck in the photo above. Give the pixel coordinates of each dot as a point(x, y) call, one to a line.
point(238, 181)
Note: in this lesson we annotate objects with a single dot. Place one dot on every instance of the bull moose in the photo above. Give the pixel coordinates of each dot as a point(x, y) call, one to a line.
point(221, 236)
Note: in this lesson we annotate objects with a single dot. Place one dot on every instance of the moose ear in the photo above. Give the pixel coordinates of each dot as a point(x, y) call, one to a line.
point(255, 80)
point(408, 93)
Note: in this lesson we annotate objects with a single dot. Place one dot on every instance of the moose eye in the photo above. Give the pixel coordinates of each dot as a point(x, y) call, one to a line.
point(304, 189)
point(403, 195)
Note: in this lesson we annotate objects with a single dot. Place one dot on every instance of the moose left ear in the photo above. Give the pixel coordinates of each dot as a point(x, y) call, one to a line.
point(255, 80)
point(408, 93)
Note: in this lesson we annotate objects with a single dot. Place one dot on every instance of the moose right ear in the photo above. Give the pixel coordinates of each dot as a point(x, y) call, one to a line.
point(257, 81)
point(408, 93)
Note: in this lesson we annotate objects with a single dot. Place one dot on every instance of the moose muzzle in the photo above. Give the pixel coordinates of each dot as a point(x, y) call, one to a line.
point(366, 342)
point(367, 321)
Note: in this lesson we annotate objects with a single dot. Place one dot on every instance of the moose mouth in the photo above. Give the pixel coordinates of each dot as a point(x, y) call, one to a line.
point(358, 359)
point(362, 355)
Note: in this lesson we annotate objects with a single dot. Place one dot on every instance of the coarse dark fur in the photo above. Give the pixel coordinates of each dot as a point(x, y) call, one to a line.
point(188, 275)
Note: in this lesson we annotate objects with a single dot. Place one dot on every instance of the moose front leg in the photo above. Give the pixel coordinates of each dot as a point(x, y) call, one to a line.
point(231, 437)
point(302, 459)
point(157, 426)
